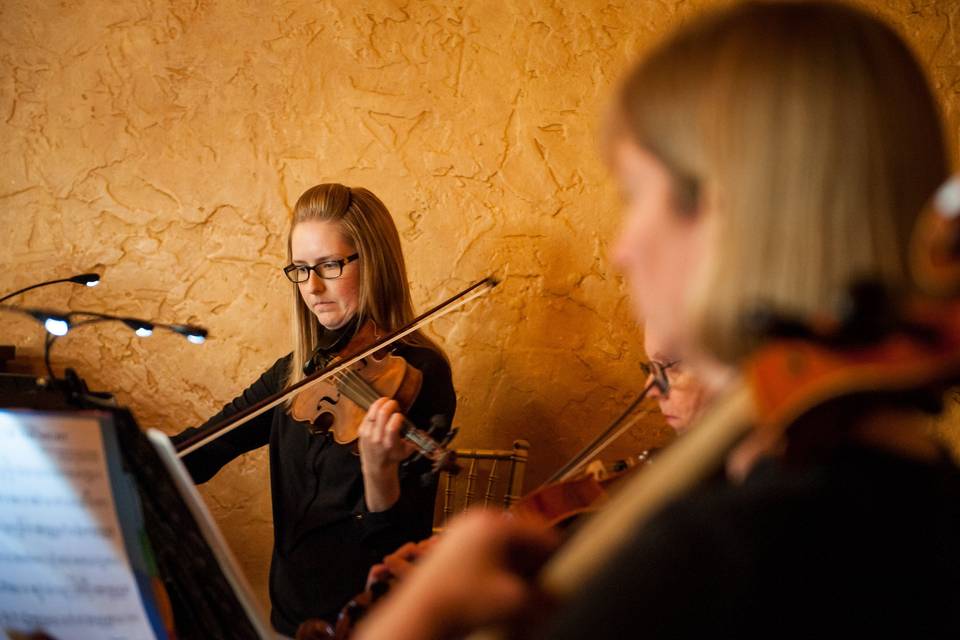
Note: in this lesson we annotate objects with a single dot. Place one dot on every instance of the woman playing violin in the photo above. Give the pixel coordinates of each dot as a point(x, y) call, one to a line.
point(771, 153)
point(685, 395)
point(337, 508)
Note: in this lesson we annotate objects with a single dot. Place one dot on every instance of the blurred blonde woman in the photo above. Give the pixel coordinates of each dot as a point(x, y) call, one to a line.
point(770, 153)
point(336, 512)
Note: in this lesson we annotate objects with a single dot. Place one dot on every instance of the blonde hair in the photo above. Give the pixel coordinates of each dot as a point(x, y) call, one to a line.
point(809, 132)
point(384, 295)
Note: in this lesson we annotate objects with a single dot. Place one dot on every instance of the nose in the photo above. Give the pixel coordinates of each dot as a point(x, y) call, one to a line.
point(654, 388)
point(315, 283)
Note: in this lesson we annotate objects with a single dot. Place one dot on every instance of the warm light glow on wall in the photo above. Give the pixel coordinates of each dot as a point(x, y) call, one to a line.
point(162, 144)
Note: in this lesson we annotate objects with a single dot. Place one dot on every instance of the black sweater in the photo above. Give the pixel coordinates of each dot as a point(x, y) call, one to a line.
point(325, 540)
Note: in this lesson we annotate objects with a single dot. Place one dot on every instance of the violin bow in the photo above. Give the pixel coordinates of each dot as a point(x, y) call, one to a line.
point(211, 433)
point(679, 468)
point(607, 437)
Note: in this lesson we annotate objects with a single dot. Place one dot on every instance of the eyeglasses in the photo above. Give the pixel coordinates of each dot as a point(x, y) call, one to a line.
point(326, 270)
point(658, 371)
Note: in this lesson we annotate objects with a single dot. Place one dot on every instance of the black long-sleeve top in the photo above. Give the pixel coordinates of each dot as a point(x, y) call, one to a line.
point(325, 539)
point(862, 545)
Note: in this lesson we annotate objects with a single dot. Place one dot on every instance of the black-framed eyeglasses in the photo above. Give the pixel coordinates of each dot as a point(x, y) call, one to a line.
point(326, 270)
point(658, 371)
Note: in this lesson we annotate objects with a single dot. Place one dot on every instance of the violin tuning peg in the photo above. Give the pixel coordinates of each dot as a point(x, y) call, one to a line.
point(447, 439)
point(437, 422)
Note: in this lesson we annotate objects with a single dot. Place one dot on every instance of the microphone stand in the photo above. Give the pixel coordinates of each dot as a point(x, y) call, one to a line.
point(59, 324)
point(88, 279)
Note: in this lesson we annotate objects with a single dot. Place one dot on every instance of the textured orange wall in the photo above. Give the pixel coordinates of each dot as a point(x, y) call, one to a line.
point(162, 142)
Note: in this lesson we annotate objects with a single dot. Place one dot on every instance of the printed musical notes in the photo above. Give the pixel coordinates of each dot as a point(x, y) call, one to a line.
point(63, 566)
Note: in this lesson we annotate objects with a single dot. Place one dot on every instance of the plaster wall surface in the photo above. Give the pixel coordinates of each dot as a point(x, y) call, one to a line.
point(163, 142)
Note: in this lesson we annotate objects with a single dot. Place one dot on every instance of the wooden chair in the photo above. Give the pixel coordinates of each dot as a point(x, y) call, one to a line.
point(500, 472)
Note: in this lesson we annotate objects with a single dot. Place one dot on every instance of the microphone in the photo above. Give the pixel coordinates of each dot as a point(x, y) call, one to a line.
point(59, 323)
point(89, 279)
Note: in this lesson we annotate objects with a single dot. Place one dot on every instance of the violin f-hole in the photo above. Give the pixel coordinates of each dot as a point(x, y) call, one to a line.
point(328, 400)
point(325, 417)
point(322, 424)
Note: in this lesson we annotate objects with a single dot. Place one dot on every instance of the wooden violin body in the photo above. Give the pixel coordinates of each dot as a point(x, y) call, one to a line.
point(559, 503)
point(339, 405)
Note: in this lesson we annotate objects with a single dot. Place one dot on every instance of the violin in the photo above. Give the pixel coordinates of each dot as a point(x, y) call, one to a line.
point(559, 503)
point(428, 447)
point(339, 404)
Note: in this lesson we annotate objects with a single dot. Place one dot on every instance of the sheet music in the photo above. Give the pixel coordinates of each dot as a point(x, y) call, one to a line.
point(63, 566)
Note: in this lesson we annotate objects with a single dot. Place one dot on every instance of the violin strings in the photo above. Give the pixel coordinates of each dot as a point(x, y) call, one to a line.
point(363, 388)
point(363, 393)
